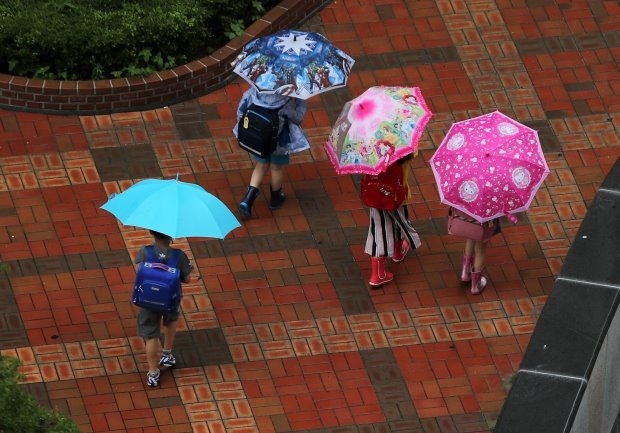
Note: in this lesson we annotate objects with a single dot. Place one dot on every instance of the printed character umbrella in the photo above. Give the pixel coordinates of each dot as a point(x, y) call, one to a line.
point(378, 127)
point(293, 63)
point(175, 208)
point(489, 166)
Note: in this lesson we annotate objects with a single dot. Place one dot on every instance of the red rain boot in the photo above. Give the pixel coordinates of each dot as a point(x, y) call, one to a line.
point(380, 275)
point(466, 271)
point(401, 248)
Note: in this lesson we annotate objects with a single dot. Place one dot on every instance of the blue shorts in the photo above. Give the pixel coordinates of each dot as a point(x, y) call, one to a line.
point(274, 159)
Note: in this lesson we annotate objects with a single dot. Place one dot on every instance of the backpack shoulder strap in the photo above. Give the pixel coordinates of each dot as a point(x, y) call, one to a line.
point(395, 170)
point(393, 175)
point(173, 258)
point(243, 105)
point(150, 253)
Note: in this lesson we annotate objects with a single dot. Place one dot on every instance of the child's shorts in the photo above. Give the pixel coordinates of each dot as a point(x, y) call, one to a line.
point(274, 159)
point(149, 322)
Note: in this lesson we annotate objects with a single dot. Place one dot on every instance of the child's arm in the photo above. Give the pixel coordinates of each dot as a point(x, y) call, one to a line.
point(295, 110)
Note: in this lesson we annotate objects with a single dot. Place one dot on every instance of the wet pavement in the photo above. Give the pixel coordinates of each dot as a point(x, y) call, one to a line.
point(282, 333)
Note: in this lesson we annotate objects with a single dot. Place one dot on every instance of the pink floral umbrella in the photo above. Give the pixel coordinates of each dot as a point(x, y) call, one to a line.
point(489, 166)
point(378, 127)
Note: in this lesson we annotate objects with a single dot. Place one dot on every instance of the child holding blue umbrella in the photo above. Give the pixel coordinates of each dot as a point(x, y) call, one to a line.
point(150, 322)
point(291, 139)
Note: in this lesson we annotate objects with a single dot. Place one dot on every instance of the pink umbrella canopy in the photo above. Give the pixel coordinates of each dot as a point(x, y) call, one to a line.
point(375, 129)
point(489, 166)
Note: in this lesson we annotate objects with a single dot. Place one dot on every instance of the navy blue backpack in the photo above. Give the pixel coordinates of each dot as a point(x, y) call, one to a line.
point(158, 285)
point(257, 130)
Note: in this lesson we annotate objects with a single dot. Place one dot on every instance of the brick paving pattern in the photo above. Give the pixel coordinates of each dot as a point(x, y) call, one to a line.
point(282, 334)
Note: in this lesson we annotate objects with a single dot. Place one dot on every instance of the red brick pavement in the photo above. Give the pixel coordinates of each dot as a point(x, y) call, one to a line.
point(283, 334)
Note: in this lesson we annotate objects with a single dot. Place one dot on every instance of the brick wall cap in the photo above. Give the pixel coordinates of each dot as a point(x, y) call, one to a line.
point(153, 91)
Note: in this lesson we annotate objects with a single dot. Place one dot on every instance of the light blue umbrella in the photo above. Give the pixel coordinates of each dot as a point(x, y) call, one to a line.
point(175, 208)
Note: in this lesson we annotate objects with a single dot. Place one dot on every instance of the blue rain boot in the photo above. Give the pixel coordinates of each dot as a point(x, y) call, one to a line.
point(245, 207)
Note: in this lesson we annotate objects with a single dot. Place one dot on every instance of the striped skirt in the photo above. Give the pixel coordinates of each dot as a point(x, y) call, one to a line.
point(387, 226)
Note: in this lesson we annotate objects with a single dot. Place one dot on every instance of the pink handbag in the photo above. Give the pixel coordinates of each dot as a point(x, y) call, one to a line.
point(461, 225)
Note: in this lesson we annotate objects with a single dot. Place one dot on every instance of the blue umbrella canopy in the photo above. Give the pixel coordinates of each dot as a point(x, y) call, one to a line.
point(293, 63)
point(175, 208)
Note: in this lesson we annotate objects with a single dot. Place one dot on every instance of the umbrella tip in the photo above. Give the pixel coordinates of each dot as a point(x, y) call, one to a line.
point(177, 175)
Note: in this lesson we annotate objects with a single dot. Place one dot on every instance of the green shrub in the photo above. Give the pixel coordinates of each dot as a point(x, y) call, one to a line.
point(94, 39)
point(20, 412)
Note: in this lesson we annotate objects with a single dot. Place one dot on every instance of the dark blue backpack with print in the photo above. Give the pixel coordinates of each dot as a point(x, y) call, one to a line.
point(257, 130)
point(158, 284)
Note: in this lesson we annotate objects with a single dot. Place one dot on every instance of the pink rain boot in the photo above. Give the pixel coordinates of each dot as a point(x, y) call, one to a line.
point(478, 282)
point(401, 248)
point(380, 275)
point(466, 271)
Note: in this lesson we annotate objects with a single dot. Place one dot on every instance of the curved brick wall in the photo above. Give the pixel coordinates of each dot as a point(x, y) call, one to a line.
point(157, 90)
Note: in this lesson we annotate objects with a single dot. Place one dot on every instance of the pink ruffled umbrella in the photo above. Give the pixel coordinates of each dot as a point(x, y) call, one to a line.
point(375, 129)
point(489, 166)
